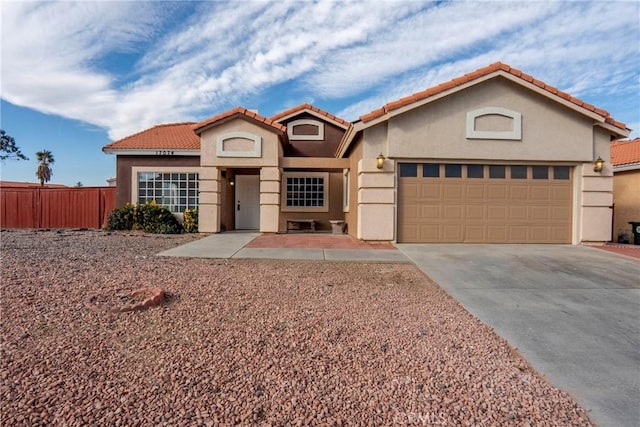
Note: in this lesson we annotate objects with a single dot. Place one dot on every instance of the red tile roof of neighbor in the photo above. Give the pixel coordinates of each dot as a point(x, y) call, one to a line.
point(625, 152)
point(16, 184)
point(481, 72)
point(177, 136)
point(310, 107)
point(239, 111)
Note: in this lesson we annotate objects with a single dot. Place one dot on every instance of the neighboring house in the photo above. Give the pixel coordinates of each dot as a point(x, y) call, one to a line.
point(625, 158)
point(492, 156)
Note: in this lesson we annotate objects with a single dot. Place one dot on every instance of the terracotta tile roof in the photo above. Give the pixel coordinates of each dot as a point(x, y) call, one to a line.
point(310, 107)
point(17, 184)
point(498, 66)
point(177, 136)
point(625, 152)
point(239, 111)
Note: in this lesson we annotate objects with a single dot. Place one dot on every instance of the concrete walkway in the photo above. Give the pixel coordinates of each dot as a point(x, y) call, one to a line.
point(233, 245)
point(572, 311)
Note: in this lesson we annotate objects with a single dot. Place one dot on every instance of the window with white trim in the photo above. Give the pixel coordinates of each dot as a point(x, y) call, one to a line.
point(176, 191)
point(305, 192)
point(305, 129)
point(345, 191)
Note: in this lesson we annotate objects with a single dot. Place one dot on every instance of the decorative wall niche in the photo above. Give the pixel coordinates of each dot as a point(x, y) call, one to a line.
point(494, 123)
point(239, 144)
point(305, 129)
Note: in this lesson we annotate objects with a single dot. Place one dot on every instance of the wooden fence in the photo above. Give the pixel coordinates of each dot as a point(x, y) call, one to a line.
point(42, 207)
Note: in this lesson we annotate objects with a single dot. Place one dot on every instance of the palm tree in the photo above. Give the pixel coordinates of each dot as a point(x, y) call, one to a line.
point(44, 171)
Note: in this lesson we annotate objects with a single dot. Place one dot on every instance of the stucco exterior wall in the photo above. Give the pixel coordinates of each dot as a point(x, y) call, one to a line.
point(270, 152)
point(376, 201)
point(595, 199)
point(351, 215)
point(626, 195)
point(335, 206)
point(550, 132)
point(314, 148)
point(213, 191)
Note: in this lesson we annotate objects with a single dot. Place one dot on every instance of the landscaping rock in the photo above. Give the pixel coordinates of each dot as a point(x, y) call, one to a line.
point(247, 342)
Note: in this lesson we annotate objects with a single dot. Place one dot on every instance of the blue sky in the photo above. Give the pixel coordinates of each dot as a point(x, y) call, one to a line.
point(75, 76)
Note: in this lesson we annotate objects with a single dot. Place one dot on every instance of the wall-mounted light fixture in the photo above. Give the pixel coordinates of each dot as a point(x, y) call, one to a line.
point(232, 182)
point(597, 165)
point(380, 161)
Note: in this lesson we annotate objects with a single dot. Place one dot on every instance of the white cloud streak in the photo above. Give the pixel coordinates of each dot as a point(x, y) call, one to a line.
point(359, 54)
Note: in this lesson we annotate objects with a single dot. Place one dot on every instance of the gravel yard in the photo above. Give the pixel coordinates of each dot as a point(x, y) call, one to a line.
point(247, 342)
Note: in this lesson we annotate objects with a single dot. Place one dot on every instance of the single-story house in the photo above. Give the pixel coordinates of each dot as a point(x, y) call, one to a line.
point(493, 156)
point(625, 158)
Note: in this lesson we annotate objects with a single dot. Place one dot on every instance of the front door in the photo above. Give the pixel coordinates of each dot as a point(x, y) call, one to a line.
point(247, 207)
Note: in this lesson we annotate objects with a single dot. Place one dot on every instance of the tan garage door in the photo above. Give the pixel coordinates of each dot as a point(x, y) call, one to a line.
point(484, 203)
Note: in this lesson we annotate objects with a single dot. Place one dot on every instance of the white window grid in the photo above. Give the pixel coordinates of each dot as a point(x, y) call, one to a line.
point(305, 192)
point(175, 191)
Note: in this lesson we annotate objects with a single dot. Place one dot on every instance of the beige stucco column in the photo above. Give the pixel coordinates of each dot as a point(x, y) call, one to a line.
point(376, 200)
point(210, 200)
point(596, 200)
point(269, 199)
point(595, 197)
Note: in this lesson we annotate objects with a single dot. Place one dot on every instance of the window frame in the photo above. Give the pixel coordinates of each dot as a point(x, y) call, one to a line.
point(283, 192)
point(345, 189)
point(135, 182)
point(302, 137)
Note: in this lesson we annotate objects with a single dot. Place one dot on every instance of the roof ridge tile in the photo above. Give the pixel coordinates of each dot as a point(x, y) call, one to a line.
point(307, 106)
point(481, 72)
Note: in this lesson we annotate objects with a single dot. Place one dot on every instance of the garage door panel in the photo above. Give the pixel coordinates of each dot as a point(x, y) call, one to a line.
point(518, 213)
point(497, 192)
point(560, 233)
point(496, 213)
point(409, 233)
point(410, 190)
point(453, 212)
point(499, 210)
point(410, 212)
point(474, 233)
point(474, 213)
point(539, 233)
point(475, 192)
point(430, 233)
point(560, 193)
point(496, 233)
point(539, 193)
point(560, 213)
point(430, 192)
point(430, 212)
point(453, 192)
point(519, 192)
point(517, 233)
point(452, 233)
point(538, 213)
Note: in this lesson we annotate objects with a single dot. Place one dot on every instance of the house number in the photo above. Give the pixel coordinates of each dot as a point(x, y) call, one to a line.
point(164, 153)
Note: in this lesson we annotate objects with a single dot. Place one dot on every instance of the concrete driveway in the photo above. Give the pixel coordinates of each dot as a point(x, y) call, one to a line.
point(572, 311)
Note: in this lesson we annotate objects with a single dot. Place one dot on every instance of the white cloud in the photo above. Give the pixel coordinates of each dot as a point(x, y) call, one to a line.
point(219, 53)
point(586, 49)
point(49, 52)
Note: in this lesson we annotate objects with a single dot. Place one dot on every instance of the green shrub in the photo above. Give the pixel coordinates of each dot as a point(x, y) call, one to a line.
point(150, 218)
point(121, 219)
point(190, 221)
